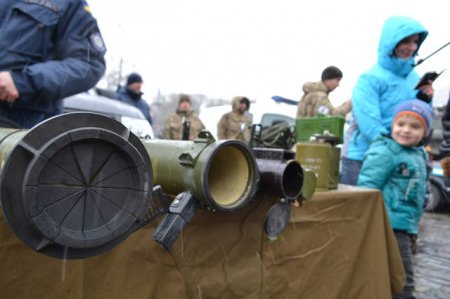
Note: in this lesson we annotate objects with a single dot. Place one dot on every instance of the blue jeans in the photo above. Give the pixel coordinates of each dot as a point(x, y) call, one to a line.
point(350, 171)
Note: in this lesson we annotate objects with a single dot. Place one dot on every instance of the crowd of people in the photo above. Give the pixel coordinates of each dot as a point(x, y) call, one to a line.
point(391, 117)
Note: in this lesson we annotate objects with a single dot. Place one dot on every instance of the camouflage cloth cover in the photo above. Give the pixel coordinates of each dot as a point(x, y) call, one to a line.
point(337, 245)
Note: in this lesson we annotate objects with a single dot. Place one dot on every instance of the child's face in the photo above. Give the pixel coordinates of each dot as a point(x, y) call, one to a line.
point(407, 130)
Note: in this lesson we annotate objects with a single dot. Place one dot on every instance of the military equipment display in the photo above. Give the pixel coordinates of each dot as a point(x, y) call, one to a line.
point(181, 212)
point(221, 175)
point(283, 177)
point(78, 184)
point(75, 185)
point(321, 156)
point(231, 175)
point(305, 127)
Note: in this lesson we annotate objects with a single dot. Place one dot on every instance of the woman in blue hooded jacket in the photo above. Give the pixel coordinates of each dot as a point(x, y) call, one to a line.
point(388, 83)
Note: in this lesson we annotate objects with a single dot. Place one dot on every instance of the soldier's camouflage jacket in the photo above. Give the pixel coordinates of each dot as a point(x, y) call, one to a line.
point(315, 101)
point(230, 125)
point(173, 128)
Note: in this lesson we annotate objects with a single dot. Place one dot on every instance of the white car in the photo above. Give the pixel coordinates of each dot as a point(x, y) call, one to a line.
point(128, 115)
point(266, 113)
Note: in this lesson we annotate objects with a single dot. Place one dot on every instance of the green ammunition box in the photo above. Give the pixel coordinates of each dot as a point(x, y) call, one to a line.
point(305, 127)
point(323, 159)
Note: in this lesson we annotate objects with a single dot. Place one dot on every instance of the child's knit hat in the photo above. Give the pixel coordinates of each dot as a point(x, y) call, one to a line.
point(419, 109)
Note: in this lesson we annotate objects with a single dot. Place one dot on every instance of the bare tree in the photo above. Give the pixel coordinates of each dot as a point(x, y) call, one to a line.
point(114, 76)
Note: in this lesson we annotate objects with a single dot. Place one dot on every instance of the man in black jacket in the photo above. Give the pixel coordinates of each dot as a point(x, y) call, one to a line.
point(132, 94)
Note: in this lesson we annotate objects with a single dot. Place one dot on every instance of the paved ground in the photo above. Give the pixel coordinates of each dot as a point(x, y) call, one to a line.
point(432, 261)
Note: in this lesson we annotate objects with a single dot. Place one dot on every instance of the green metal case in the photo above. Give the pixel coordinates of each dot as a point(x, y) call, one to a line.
point(323, 159)
point(309, 126)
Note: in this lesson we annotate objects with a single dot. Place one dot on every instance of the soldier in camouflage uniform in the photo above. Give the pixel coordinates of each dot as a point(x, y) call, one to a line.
point(315, 98)
point(173, 128)
point(230, 125)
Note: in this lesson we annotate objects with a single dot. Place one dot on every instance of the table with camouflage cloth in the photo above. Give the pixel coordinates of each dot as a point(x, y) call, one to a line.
point(337, 245)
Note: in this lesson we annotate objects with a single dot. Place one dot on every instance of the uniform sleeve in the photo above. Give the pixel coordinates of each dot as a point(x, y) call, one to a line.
point(366, 108)
point(376, 167)
point(342, 109)
point(222, 127)
point(78, 58)
point(196, 126)
point(301, 109)
point(166, 131)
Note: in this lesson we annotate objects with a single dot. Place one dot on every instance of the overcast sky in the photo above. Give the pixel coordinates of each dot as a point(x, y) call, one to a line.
point(258, 48)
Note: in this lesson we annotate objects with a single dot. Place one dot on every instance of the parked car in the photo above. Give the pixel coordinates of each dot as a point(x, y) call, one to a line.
point(437, 134)
point(439, 198)
point(92, 101)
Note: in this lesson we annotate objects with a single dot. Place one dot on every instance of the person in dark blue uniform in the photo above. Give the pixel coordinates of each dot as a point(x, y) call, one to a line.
point(131, 94)
point(49, 49)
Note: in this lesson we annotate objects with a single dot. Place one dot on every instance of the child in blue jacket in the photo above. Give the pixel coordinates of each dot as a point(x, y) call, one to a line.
point(397, 166)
